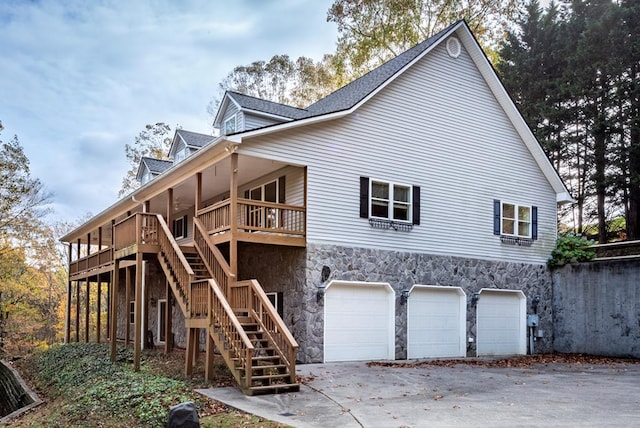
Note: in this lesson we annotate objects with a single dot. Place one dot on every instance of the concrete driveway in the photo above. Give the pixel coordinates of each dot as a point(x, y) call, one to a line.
point(356, 395)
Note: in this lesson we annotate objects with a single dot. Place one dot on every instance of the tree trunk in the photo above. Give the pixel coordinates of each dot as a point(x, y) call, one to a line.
point(599, 178)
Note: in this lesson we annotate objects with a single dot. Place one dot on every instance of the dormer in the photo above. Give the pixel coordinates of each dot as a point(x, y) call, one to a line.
point(186, 143)
point(238, 113)
point(150, 168)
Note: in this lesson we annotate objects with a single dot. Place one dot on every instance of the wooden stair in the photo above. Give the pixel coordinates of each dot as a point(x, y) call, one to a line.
point(269, 373)
point(254, 342)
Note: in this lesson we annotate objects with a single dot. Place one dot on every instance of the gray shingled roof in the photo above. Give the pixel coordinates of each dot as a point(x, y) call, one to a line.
point(354, 92)
point(345, 97)
point(156, 166)
point(266, 106)
point(194, 139)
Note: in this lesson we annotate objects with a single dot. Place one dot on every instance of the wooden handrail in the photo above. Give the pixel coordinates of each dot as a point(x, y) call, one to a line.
point(248, 295)
point(264, 204)
point(237, 345)
point(212, 258)
point(229, 312)
point(254, 216)
point(174, 244)
point(96, 260)
point(213, 207)
point(272, 312)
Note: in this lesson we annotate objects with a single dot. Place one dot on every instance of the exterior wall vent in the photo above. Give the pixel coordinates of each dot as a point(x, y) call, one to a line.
point(453, 47)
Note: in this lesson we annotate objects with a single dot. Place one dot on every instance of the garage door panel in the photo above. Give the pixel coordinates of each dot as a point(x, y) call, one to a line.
point(359, 322)
point(500, 323)
point(435, 322)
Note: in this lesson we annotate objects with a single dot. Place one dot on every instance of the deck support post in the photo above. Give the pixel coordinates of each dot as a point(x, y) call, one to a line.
point(137, 337)
point(168, 337)
point(78, 311)
point(114, 308)
point(127, 305)
point(86, 312)
point(108, 330)
point(233, 195)
point(99, 310)
point(208, 365)
point(198, 196)
point(188, 357)
point(67, 326)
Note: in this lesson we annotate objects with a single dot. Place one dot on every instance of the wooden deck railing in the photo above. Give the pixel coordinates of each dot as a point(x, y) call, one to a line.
point(199, 299)
point(237, 350)
point(93, 261)
point(169, 248)
point(217, 217)
point(138, 228)
point(255, 216)
point(249, 296)
point(213, 259)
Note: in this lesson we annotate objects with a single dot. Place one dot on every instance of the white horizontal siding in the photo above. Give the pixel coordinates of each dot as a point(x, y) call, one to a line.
point(294, 184)
point(437, 126)
point(253, 122)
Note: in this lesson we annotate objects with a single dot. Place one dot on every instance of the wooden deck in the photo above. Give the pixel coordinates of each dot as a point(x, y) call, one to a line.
point(256, 222)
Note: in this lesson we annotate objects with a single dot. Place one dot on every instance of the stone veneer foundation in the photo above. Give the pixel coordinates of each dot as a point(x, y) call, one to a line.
point(297, 273)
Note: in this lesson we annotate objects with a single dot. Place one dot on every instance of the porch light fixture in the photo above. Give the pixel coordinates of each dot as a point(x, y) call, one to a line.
point(474, 298)
point(404, 296)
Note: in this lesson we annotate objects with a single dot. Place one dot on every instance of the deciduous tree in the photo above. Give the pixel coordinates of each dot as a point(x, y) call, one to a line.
point(153, 141)
point(372, 31)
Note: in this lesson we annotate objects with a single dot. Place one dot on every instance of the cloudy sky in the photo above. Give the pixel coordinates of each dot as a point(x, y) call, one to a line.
point(79, 79)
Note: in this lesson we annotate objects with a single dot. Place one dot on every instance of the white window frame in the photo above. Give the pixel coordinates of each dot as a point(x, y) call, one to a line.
point(516, 220)
point(391, 201)
point(267, 217)
point(274, 301)
point(235, 124)
point(180, 229)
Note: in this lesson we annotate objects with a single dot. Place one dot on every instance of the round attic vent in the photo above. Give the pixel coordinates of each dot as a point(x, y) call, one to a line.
point(453, 47)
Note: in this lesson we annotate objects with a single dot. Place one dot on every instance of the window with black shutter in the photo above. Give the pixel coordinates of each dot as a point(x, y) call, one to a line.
point(515, 223)
point(386, 204)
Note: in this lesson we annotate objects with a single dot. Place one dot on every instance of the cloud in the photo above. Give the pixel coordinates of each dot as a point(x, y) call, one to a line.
point(79, 79)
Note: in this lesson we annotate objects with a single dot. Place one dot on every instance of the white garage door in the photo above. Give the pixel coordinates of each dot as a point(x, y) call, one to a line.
point(436, 322)
point(501, 323)
point(359, 321)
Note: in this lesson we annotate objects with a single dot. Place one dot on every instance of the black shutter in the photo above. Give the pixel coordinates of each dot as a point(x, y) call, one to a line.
point(364, 197)
point(280, 307)
point(185, 227)
point(174, 228)
point(281, 189)
point(416, 205)
point(534, 222)
point(496, 217)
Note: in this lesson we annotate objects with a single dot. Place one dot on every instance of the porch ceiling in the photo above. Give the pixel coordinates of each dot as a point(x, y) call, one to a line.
point(216, 182)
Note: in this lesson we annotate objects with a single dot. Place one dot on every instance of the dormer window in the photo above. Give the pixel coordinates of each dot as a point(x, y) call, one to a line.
point(146, 177)
point(181, 154)
point(229, 126)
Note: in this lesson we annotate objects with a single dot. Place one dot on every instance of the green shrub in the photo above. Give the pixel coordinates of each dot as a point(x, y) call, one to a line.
point(571, 248)
point(102, 389)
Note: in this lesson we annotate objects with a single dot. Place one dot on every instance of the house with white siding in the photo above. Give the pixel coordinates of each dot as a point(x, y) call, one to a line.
point(409, 214)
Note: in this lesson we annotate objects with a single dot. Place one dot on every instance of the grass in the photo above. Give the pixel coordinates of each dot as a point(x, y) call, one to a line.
point(81, 387)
